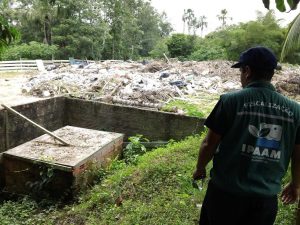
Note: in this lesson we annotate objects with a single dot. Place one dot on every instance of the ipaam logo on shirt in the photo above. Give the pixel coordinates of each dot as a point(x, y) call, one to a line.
point(268, 135)
point(267, 143)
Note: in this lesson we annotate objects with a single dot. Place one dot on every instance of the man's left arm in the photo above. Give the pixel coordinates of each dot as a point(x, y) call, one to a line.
point(291, 192)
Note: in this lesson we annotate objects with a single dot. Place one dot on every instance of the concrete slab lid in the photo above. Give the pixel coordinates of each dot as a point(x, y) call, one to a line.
point(83, 143)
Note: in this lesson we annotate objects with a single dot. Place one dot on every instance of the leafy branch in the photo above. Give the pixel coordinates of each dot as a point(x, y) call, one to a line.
point(280, 4)
point(7, 33)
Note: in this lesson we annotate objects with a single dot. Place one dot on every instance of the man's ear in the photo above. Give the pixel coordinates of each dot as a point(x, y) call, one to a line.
point(248, 73)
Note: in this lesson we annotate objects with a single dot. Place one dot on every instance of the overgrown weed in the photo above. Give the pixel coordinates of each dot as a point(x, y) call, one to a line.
point(155, 190)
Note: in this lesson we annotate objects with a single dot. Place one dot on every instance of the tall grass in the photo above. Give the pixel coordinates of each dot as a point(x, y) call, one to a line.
point(156, 190)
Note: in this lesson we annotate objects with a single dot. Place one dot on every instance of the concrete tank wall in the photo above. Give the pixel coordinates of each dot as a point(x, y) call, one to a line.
point(57, 112)
point(49, 113)
point(130, 121)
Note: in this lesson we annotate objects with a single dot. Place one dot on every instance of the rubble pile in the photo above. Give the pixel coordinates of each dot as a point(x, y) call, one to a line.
point(144, 83)
point(288, 82)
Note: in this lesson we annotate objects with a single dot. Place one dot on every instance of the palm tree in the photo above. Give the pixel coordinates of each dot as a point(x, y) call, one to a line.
point(223, 17)
point(280, 5)
point(202, 23)
point(292, 40)
point(190, 19)
point(42, 13)
point(194, 24)
point(184, 18)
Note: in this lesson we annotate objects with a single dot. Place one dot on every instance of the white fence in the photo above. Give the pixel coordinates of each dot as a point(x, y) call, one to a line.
point(22, 65)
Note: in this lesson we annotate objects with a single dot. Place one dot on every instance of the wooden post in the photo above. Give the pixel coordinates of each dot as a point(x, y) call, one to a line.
point(166, 58)
point(6, 125)
point(35, 124)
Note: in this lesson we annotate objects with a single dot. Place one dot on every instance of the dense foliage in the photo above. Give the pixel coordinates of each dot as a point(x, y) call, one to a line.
point(229, 41)
point(32, 50)
point(130, 29)
point(264, 31)
point(181, 45)
point(7, 33)
point(100, 29)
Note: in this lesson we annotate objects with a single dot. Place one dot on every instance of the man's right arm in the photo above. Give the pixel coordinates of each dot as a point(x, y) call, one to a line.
point(218, 124)
point(291, 192)
point(206, 153)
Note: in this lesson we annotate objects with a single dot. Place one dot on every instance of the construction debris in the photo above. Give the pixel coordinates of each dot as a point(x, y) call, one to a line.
point(147, 84)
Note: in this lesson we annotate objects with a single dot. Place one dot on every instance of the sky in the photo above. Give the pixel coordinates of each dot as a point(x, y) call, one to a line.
point(239, 10)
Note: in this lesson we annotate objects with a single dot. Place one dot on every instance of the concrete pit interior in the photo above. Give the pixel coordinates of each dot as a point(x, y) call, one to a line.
point(94, 130)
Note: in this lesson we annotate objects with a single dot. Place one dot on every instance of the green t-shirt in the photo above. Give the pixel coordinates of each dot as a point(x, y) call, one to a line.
point(259, 129)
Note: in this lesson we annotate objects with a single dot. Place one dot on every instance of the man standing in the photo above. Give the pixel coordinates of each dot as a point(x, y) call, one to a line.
point(252, 135)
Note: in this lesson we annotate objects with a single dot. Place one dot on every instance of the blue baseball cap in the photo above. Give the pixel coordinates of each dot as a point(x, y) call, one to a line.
point(259, 58)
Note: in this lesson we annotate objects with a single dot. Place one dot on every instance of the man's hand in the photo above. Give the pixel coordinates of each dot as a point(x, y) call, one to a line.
point(290, 194)
point(199, 174)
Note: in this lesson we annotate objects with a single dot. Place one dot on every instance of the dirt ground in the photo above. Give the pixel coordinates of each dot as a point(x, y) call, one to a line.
point(11, 88)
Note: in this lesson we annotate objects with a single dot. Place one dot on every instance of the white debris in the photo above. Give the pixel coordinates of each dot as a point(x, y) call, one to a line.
point(142, 83)
point(46, 94)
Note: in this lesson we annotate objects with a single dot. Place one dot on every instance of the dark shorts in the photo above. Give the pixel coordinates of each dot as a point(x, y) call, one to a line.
point(221, 207)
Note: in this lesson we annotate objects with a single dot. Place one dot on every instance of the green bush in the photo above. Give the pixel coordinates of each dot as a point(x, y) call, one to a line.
point(33, 50)
point(181, 45)
point(160, 49)
point(229, 42)
point(134, 149)
point(208, 53)
point(264, 31)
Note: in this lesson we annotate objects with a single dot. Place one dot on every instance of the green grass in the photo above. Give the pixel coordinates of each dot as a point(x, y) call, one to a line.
point(157, 190)
point(190, 109)
point(206, 102)
point(198, 106)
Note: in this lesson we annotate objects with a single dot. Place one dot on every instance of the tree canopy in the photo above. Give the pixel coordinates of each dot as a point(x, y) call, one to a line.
point(93, 29)
point(129, 29)
point(227, 43)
